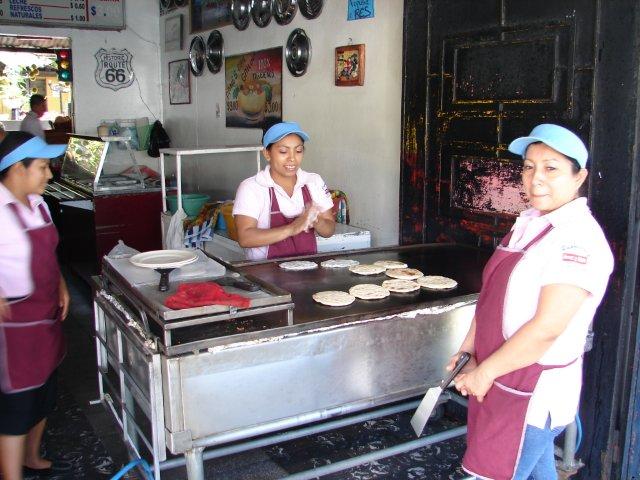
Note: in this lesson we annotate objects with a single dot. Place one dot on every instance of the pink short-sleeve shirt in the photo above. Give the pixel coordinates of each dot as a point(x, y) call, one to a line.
point(575, 252)
point(15, 249)
point(252, 199)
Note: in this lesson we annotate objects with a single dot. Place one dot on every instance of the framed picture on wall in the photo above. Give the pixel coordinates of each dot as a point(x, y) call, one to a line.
point(173, 33)
point(209, 14)
point(350, 65)
point(179, 82)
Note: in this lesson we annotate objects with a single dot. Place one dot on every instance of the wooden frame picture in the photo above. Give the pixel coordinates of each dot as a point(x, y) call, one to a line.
point(173, 33)
point(349, 69)
point(179, 82)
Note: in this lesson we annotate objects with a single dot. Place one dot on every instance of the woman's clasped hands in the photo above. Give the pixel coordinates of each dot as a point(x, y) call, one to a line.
point(473, 380)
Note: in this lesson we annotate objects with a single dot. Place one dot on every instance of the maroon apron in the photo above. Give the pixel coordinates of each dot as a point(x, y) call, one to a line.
point(304, 243)
point(31, 341)
point(496, 426)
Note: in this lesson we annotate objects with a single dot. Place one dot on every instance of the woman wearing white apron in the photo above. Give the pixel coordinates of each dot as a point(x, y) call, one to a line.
point(539, 294)
point(33, 302)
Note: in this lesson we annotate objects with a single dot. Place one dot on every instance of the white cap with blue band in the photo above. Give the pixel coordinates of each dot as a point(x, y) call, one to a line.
point(556, 137)
point(33, 148)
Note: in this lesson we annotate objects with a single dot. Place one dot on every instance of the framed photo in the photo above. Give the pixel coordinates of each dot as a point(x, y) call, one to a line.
point(253, 88)
point(179, 82)
point(350, 65)
point(209, 14)
point(173, 33)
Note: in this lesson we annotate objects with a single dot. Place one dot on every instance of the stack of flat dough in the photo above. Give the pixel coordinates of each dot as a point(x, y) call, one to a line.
point(390, 264)
point(398, 285)
point(299, 265)
point(368, 291)
point(437, 282)
point(365, 269)
point(404, 273)
point(334, 298)
point(339, 263)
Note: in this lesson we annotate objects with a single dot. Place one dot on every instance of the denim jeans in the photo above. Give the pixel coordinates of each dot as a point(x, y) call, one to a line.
point(537, 461)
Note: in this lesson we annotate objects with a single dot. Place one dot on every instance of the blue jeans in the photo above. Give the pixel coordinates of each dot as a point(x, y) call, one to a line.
point(537, 461)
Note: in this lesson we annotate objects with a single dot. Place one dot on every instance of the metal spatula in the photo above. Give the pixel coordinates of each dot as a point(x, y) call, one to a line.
point(430, 400)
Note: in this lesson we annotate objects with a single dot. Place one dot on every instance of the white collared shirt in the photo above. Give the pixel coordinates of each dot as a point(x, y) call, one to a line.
point(574, 252)
point(253, 200)
point(31, 124)
point(15, 248)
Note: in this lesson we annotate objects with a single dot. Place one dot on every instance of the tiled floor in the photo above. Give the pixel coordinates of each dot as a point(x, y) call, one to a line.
point(89, 438)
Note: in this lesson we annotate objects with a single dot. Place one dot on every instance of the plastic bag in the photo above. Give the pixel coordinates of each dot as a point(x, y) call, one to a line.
point(121, 250)
point(175, 232)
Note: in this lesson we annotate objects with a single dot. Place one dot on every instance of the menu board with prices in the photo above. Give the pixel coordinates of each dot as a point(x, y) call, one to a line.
point(97, 14)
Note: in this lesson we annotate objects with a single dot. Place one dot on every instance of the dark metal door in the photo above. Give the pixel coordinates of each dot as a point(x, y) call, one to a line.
point(478, 73)
point(493, 70)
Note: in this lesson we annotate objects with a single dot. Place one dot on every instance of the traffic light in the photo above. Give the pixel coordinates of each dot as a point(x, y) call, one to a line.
point(63, 59)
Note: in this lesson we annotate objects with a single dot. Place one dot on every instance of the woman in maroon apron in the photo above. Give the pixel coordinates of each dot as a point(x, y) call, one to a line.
point(33, 302)
point(264, 229)
point(551, 267)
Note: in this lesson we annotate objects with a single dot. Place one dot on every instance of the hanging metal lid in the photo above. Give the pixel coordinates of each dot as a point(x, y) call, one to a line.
point(284, 10)
point(180, 3)
point(166, 3)
point(311, 8)
point(197, 55)
point(298, 52)
point(241, 13)
point(215, 51)
point(261, 12)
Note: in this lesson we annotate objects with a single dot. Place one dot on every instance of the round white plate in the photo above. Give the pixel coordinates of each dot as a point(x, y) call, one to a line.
point(164, 258)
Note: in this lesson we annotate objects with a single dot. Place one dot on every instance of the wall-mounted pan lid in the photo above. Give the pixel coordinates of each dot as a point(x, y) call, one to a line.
point(261, 12)
point(241, 13)
point(284, 10)
point(215, 51)
point(310, 8)
point(166, 3)
point(197, 55)
point(298, 52)
point(180, 3)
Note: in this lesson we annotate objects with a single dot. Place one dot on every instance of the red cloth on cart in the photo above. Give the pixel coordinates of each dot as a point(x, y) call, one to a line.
point(201, 294)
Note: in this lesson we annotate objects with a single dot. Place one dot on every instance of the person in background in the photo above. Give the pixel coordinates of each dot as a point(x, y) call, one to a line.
point(540, 291)
point(278, 210)
point(34, 300)
point(31, 121)
point(3, 132)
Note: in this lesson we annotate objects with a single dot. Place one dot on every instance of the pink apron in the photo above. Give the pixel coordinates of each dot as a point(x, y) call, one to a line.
point(496, 426)
point(304, 243)
point(31, 341)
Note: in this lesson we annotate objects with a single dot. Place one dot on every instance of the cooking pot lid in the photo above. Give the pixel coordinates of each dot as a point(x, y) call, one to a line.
point(261, 12)
point(215, 51)
point(284, 10)
point(298, 52)
point(197, 55)
point(311, 8)
point(241, 13)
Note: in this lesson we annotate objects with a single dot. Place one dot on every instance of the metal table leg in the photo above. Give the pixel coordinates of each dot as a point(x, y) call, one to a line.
point(195, 464)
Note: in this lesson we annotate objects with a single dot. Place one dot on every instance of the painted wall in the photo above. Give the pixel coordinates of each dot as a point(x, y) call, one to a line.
point(355, 131)
point(93, 103)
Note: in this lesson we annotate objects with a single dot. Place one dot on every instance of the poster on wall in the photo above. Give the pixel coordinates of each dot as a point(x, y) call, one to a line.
point(360, 9)
point(90, 14)
point(209, 14)
point(253, 89)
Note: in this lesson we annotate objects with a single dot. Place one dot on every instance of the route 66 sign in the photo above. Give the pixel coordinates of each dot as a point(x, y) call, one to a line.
point(114, 69)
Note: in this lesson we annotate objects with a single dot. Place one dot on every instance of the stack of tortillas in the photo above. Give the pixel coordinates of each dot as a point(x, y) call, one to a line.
point(299, 265)
point(366, 269)
point(368, 291)
point(334, 298)
point(339, 263)
point(436, 282)
point(404, 273)
point(390, 264)
point(400, 286)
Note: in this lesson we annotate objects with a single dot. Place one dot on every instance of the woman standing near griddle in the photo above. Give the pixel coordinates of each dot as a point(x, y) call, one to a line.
point(34, 300)
point(540, 291)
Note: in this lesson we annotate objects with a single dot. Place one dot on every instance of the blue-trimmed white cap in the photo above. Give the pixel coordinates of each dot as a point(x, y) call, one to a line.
point(281, 130)
point(556, 137)
point(21, 145)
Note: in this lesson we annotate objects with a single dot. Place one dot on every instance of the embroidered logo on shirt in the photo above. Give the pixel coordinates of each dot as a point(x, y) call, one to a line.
point(575, 254)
